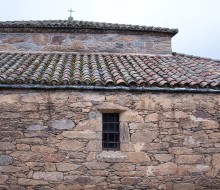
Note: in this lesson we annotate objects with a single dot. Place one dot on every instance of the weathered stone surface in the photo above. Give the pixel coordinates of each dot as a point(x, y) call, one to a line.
point(27, 156)
point(214, 135)
point(40, 39)
point(83, 180)
point(154, 117)
point(7, 47)
point(97, 165)
point(62, 124)
point(106, 156)
point(145, 135)
point(94, 145)
point(57, 39)
point(210, 124)
point(155, 146)
point(62, 167)
point(163, 157)
point(55, 157)
point(93, 97)
point(131, 116)
point(87, 134)
point(130, 180)
point(5, 160)
point(118, 43)
point(34, 98)
point(36, 127)
point(175, 115)
point(13, 40)
point(6, 146)
point(168, 168)
point(46, 149)
point(30, 141)
point(90, 124)
point(31, 182)
point(168, 125)
point(185, 186)
point(138, 157)
point(123, 167)
point(110, 107)
point(50, 167)
point(48, 176)
point(13, 169)
point(26, 46)
point(180, 150)
point(3, 179)
point(71, 145)
point(189, 159)
point(171, 152)
point(215, 161)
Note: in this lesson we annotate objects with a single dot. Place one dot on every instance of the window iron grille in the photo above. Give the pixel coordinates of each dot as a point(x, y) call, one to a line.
point(110, 132)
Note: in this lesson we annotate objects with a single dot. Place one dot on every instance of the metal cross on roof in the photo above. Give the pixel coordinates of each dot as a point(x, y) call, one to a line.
point(71, 11)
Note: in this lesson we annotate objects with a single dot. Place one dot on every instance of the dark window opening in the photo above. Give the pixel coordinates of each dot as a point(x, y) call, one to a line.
point(110, 131)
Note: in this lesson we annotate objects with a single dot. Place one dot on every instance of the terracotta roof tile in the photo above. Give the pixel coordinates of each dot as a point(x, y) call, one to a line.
point(177, 70)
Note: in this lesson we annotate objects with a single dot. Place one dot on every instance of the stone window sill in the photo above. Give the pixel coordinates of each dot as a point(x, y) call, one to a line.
point(111, 156)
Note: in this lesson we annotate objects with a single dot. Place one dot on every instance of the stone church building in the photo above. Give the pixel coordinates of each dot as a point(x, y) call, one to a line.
point(96, 106)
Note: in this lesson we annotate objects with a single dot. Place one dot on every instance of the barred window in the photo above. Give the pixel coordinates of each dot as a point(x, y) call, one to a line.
point(110, 132)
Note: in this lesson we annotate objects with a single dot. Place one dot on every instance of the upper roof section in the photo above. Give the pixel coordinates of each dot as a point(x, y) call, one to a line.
point(81, 26)
point(57, 69)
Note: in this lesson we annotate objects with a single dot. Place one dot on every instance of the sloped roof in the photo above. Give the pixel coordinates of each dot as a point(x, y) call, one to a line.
point(54, 69)
point(75, 24)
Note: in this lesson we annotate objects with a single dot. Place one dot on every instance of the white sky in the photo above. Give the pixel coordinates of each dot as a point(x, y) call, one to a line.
point(198, 21)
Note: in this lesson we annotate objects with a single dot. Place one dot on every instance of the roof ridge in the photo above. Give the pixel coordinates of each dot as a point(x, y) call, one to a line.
point(83, 53)
point(85, 24)
point(194, 56)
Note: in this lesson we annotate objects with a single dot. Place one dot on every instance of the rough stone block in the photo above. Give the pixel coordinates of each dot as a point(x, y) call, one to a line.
point(71, 145)
point(5, 160)
point(145, 136)
point(123, 167)
point(3, 179)
point(116, 156)
point(168, 168)
point(163, 157)
point(93, 97)
point(87, 134)
point(48, 176)
point(175, 115)
point(168, 125)
point(45, 149)
point(209, 124)
point(190, 159)
point(13, 169)
point(131, 116)
point(63, 167)
point(6, 146)
point(94, 145)
point(40, 39)
point(216, 161)
point(62, 124)
point(36, 127)
point(96, 165)
point(26, 155)
point(137, 157)
point(31, 182)
point(130, 180)
point(153, 117)
point(180, 150)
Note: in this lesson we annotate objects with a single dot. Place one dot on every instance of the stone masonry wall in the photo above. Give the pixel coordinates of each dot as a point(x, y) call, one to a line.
point(52, 140)
point(111, 43)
